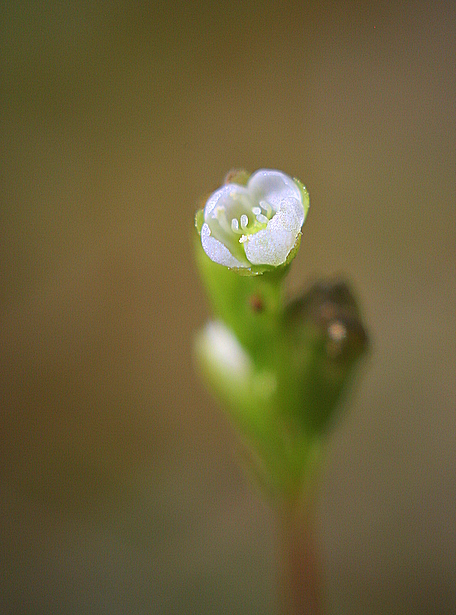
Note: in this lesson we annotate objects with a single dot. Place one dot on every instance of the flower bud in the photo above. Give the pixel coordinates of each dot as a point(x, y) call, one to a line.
point(330, 338)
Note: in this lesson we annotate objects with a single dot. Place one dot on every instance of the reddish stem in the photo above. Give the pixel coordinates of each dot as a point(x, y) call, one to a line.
point(302, 579)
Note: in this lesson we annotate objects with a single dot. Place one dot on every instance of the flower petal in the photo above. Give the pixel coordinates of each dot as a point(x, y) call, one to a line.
point(216, 250)
point(272, 245)
point(273, 187)
point(223, 197)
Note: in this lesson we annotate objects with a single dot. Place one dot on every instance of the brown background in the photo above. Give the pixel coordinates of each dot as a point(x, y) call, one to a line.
point(119, 490)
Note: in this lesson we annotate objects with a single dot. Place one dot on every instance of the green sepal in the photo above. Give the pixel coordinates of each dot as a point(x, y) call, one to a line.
point(199, 220)
point(305, 196)
point(327, 340)
point(250, 305)
point(237, 176)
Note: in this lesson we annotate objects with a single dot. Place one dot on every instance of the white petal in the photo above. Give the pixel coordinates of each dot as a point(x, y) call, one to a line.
point(216, 251)
point(223, 197)
point(272, 245)
point(273, 187)
point(291, 214)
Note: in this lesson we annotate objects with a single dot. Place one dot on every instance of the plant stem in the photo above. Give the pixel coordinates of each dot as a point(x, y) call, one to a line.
point(302, 579)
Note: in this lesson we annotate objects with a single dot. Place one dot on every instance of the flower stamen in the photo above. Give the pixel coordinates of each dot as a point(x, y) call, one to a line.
point(262, 219)
point(244, 222)
point(266, 207)
point(235, 226)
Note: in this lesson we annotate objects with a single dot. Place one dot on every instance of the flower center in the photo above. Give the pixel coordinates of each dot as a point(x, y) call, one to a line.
point(243, 218)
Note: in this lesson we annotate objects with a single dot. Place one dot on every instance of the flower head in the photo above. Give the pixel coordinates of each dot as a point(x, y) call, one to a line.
point(257, 224)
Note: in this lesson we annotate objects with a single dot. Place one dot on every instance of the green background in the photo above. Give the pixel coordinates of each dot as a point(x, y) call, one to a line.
point(119, 488)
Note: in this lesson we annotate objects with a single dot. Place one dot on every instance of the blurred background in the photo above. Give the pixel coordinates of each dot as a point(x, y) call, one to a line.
point(120, 492)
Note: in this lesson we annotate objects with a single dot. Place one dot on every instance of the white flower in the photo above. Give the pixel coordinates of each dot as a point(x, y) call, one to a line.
point(256, 224)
